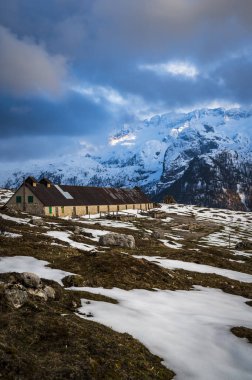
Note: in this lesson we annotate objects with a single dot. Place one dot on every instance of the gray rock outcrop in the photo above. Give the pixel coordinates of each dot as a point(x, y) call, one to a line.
point(37, 222)
point(119, 240)
point(17, 289)
point(16, 296)
point(31, 280)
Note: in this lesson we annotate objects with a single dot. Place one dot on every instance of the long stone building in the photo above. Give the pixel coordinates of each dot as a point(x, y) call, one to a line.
point(46, 198)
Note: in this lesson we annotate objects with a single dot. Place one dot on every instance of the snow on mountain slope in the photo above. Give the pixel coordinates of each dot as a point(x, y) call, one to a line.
point(202, 157)
point(5, 195)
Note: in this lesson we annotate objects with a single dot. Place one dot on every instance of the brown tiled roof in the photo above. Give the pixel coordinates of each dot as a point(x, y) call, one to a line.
point(84, 195)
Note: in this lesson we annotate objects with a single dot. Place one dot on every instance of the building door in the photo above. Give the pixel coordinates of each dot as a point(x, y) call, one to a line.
point(56, 211)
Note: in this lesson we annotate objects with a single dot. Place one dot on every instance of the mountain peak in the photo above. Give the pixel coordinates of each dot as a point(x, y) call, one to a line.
point(163, 155)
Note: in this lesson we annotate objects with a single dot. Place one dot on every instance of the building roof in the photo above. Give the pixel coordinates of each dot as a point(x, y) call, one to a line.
point(63, 195)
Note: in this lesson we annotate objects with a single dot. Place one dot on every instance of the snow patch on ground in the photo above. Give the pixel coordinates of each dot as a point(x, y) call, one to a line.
point(193, 267)
point(188, 329)
point(241, 253)
point(11, 235)
point(96, 233)
point(30, 264)
point(64, 236)
point(111, 223)
point(16, 220)
point(171, 244)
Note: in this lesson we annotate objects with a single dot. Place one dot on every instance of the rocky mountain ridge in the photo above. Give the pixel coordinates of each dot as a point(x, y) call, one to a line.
point(203, 157)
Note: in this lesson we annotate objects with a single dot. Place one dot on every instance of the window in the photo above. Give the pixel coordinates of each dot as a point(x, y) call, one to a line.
point(62, 209)
point(18, 199)
point(30, 198)
point(50, 209)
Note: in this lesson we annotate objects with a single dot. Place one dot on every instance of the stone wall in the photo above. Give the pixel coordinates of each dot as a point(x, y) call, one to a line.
point(35, 208)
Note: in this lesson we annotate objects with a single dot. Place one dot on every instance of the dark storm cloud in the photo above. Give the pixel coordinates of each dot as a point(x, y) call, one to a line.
point(114, 50)
point(236, 78)
point(23, 148)
point(72, 116)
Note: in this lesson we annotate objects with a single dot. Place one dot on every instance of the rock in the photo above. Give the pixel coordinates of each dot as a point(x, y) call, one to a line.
point(38, 293)
point(73, 280)
point(119, 240)
point(45, 293)
point(30, 280)
point(50, 292)
point(242, 245)
point(88, 234)
point(77, 230)
point(16, 297)
point(157, 214)
point(158, 234)
point(37, 222)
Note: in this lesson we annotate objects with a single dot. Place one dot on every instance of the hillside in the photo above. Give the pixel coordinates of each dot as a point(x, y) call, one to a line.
point(101, 318)
point(203, 157)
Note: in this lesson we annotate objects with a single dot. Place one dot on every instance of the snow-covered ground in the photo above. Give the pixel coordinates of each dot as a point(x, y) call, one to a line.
point(234, 225)
point(188, 329)
point(110, 223)
point(16, 220)
point(193, 267)
point(21, 264)
point(222, 216)
point(96, 234)
point(64, 236)
point(11, 235)
point(171, 244)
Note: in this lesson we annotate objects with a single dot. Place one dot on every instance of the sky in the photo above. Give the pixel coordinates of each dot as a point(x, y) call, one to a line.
point(76, 70)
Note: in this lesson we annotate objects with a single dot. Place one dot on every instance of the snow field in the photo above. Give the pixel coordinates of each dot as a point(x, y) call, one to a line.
point(188, 329)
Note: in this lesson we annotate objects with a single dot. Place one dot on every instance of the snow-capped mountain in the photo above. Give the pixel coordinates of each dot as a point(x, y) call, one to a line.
point(203, 157)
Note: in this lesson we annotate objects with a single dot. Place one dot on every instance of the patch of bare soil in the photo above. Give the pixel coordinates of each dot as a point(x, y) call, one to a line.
point(123, 271)
point(242, 332)
point(219, 282)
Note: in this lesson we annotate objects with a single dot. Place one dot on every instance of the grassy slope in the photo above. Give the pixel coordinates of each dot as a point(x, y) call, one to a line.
point(47, 344)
